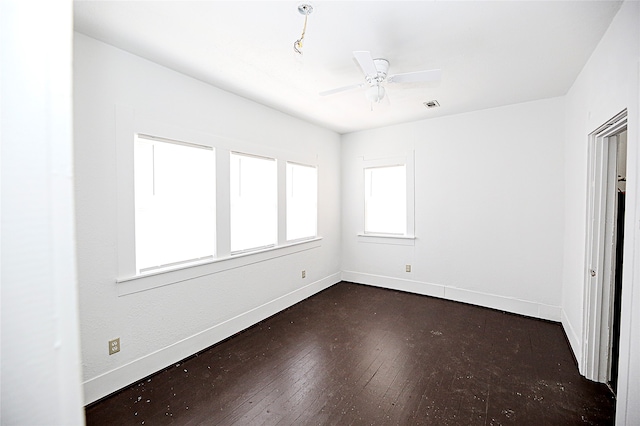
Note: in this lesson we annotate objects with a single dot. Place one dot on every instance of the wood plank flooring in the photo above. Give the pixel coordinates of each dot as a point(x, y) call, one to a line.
point(360, 355)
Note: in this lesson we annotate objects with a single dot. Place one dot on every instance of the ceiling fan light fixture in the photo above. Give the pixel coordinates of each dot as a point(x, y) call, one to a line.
point(375, 93)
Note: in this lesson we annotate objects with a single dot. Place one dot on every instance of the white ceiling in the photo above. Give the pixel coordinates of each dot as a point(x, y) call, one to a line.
point(491, 53)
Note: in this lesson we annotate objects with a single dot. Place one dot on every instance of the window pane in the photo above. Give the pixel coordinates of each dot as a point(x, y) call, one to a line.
point(385, 200)
point(302, 201)
point(254, 202)
point(175, 203)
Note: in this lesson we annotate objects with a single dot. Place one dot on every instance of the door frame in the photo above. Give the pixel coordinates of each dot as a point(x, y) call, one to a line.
point(600, 249)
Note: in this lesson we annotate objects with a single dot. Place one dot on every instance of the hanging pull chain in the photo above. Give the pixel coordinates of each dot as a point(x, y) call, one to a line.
point(304, 9)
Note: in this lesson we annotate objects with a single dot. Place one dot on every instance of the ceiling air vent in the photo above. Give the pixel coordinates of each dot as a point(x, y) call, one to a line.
point(432, 104)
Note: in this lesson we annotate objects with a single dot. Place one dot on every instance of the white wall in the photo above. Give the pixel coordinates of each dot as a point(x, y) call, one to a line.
point(488, 208)
point(607, 85)
point(500, 207)
point(40, 335)
point(165, 324)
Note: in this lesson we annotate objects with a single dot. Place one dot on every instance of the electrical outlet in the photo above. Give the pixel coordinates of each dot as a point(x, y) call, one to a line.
point(304, 274)
point(408, 268)
point(114, 346)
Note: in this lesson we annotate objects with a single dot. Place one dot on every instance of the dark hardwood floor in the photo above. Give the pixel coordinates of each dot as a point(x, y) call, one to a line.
point(361, 355)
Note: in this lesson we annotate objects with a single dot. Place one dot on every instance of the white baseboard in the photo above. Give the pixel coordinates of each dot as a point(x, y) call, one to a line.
point(114, 380)
point(574, 339)
point(121, 377)
point(507, 304)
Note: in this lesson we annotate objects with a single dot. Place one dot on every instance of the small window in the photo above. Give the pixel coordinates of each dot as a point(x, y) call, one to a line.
point(254, 202)
point(174, 203)
point(385, 198)
point(302, 201)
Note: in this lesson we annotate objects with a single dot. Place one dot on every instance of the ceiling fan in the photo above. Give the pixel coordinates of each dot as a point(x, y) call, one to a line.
point(375, 71)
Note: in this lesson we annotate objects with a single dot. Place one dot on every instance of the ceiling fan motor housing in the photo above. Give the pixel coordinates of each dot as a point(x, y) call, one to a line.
point(382, 66)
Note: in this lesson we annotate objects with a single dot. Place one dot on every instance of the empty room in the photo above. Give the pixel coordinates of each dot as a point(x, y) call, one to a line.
point(320, 212)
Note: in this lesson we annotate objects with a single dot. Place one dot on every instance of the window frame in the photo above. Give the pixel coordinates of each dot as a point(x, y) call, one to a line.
point(276, 233)
point(286, 204)
point(128, 122)
point(371, 187)
point(408, 238)
point(189, 261)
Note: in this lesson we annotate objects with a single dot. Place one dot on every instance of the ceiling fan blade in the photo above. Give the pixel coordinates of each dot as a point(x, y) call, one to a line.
point(365, 60)
point(416, 76)
point(341, 89)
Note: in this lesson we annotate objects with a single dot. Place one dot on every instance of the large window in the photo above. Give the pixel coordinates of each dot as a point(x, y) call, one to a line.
point(192, 204)
point(254, 202)
point(385, 200)
point(174, 203)
point(302, 201)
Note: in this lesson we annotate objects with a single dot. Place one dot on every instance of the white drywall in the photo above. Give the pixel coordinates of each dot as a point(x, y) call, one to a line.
point(162, 325)
point(500, 199)
point(40, 335)
point(488, 208)
point(607, 85)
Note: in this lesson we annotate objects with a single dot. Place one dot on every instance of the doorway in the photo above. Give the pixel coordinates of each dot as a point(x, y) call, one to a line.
point(604, 251)
point(621, 197)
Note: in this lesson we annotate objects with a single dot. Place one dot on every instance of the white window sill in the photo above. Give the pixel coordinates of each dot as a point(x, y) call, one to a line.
point(402, 240)
point(160, 278)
